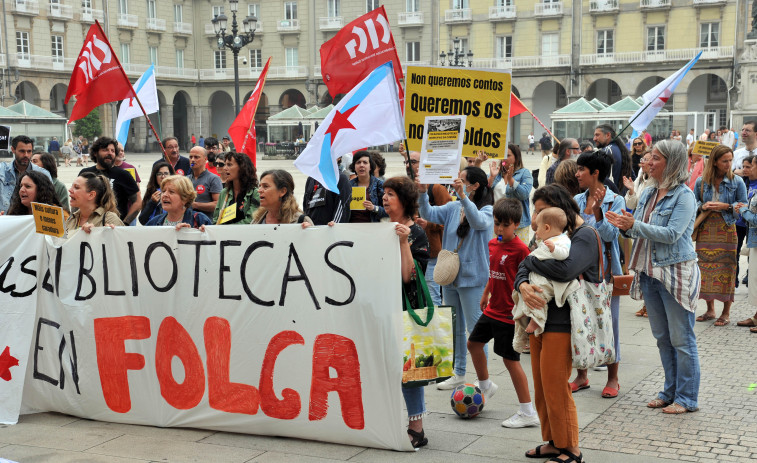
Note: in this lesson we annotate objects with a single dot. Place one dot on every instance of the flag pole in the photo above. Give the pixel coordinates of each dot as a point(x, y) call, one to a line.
point(537, 119)
point(160, 143)
point(639, 113)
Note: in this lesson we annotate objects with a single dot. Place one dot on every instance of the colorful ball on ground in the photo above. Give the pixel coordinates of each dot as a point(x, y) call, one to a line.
point(467, 400)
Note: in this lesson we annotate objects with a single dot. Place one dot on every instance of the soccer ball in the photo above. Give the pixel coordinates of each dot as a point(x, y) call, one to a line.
point(467, 400)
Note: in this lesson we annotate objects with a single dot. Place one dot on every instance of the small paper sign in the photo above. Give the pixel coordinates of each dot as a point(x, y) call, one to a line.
point(704, 148)
point(48, 219)
point(132, 171)
point(228, 214)
point(358, 196)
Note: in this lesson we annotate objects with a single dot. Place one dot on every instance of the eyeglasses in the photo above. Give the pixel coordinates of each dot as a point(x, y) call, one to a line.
point(637, 144)
point(220, 164)
point(162, 174)
point(412, 161)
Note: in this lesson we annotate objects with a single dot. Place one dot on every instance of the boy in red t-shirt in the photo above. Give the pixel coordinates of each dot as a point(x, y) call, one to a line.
point(506, 252)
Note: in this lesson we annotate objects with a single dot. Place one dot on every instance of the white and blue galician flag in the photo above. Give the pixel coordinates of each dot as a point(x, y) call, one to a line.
point(147, 91)
point(656, 98)
point(368, 115)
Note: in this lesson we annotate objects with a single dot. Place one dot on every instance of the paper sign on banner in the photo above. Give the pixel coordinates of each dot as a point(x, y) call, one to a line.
point(704, 148)
point(48, 219)
point(441, 149)
point(257, 330)
point(482, 96)
point(358, 196)
point(5, 137)
point(132, 171)
point(228, 213)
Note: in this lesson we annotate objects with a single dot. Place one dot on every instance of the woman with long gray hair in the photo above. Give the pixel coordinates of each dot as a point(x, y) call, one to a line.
point(667, 276)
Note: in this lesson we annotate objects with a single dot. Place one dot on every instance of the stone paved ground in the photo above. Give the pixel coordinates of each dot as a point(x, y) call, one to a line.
point(618, 430)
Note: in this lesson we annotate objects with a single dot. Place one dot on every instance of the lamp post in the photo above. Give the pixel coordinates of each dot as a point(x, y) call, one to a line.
point(234, 41)
point(456, 57)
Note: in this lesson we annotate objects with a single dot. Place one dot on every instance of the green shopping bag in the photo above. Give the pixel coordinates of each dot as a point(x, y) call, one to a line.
point(428, 338)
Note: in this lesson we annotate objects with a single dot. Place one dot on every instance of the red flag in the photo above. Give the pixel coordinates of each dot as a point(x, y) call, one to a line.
point(516, 106)
point(358, 49)
point(242, 130)
point(98, 77)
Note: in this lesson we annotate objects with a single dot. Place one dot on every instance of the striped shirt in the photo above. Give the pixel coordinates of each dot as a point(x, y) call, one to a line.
point(681, 280)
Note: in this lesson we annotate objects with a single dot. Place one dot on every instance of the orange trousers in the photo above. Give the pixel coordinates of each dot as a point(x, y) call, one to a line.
point(552, 364)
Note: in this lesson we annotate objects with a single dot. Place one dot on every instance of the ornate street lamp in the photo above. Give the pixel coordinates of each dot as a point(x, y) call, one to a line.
point(234, 41)
point(456, 57)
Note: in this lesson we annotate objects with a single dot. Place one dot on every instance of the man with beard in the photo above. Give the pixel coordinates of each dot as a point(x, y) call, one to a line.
point(128, 196)
point(212, 149)
point(604, 138)
point(22, 148)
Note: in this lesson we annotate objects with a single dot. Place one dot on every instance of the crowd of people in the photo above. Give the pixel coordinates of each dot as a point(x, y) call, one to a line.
point(674, 218)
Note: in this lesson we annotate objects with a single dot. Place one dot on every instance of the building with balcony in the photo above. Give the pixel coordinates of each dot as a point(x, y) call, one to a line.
point(558, 51)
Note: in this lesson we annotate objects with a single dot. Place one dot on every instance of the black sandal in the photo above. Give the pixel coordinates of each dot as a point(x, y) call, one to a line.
point(537, 452)
point(419, 438)
point(571, 457)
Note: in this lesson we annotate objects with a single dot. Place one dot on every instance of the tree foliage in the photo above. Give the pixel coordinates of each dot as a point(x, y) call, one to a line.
point(89, 126)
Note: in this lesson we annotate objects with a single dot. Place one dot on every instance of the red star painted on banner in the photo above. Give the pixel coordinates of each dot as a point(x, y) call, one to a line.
point(6, 362)
point(340, 121)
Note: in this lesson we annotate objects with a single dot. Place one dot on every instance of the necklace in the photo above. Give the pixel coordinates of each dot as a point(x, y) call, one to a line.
point(170, 223)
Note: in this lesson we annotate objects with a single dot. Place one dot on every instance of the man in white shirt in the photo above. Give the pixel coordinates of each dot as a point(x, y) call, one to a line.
point(531, 143)
point(726, 137)
point(749, 140)
point(689, 139)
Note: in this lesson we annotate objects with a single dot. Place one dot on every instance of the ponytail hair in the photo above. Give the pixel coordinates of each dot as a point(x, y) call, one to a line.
point(104, 196)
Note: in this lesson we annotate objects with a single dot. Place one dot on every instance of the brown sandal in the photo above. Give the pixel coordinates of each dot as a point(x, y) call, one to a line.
point(677, 409)
point(658, 403)
point(642, 312)
point(748, 322)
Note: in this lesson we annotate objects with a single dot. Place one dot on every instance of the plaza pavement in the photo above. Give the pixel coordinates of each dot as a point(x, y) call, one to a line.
point(619, 430)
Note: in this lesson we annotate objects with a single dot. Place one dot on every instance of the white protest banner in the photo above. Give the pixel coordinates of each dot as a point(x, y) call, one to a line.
point(268, 330)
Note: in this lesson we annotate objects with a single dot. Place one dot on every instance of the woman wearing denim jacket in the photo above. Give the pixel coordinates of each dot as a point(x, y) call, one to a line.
point(718, 191)
point(749, 214)
point(363, 165)
point(667, 276)
point(594, 203)
point(513, 180)
point(469, 224)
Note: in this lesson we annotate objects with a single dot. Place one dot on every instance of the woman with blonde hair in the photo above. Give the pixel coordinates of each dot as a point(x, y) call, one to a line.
point(277, 203)
point(92, 196)
point(565, 176)
point(638, 149)
point(717, 193)
point(176, 196)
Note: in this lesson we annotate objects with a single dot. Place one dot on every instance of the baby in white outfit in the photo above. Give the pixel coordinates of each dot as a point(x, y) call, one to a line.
point(552, 243)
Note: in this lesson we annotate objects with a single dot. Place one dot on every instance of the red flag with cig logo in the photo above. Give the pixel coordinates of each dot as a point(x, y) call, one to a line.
point(242, 130)
point(356, 50)
point(98, 77)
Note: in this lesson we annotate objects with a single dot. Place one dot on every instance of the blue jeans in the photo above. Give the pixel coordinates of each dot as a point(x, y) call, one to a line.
point(615, 312)
point(414, 401)
point(433, 287)
point(673, 327)
point(467, 304)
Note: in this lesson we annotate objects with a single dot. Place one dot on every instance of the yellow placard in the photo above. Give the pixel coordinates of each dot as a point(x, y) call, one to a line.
point(704, 147)
point(358, 196)
point(228, 213)
point(132, 171)
point(48, 219)
point(482, 96)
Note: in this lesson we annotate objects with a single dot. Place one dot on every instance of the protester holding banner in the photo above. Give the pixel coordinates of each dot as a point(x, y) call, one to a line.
point(176, 196)
point(32, 187)
point(364, 167)
point(667, 276)
point(551, 353)
point(91, 195)
point(718, 192)
point(277, 203)
point(468, 227)
point(594, 203)
point(401, 199)
point(241, 190)
point(47, 161)
point(151, 207)
point(515, 181)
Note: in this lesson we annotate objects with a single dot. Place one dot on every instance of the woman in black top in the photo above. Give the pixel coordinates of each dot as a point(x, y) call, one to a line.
point(551, 358)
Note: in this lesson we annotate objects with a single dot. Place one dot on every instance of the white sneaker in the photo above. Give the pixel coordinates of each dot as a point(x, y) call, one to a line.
point(601, 368)
point(521, 420)
point(489, 393)
point(451, 383)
